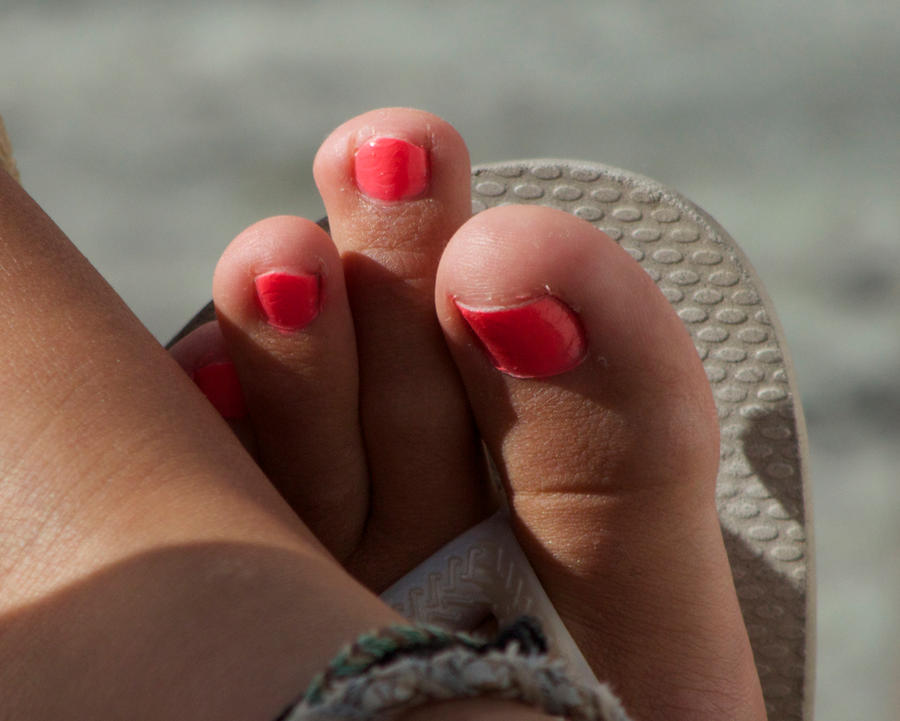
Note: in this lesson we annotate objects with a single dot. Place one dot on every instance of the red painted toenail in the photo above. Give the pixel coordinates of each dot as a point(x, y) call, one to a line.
point(289, 301)
point(219, 383)
point(540, 338)
point(391, 169)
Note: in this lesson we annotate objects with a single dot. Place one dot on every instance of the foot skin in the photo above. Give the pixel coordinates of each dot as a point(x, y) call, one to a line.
point(148, 570)
point(367, 412)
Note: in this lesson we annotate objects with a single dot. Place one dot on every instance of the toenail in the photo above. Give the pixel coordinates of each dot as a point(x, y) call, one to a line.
point(289, 301)
point(391, 169)
point(537, 339)
point(219, 383)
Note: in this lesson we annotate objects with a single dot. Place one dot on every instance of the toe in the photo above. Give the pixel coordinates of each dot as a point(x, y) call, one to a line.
point(396, 186)
point(283, 312)
point(203, 355)
point(593, 403)
point(579, 332)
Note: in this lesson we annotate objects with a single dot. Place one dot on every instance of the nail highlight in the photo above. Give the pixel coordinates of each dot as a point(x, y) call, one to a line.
point(289, 301)
point(537, 339)
point(391, 169)
point(219, 383)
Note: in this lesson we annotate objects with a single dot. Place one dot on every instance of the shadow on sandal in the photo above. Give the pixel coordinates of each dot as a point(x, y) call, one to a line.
point(764, 518)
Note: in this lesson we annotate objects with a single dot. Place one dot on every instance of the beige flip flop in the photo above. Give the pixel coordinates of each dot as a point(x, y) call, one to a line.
point(7, 162)
point(762, 490)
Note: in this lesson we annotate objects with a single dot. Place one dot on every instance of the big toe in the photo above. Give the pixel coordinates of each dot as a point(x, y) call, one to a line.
point(595, 407)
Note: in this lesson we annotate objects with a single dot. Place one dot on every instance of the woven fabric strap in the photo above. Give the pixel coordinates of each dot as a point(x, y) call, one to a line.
point(388, 672)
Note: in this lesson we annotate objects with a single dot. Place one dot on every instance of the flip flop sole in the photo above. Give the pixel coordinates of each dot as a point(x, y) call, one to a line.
point(762, 493)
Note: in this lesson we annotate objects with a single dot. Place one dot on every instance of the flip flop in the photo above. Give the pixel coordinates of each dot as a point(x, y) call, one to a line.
point(7, 162)
point(762, 487)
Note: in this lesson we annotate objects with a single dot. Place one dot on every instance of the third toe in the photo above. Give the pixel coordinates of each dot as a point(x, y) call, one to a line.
point(285, 321)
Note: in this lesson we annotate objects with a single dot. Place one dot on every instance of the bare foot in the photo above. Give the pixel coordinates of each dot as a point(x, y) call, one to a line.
point(366, 409)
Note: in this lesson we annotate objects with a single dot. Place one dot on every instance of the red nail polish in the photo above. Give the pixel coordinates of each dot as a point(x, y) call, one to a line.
point(219, 383)
point(289, 301)
point(391, 169)
point(540, 338)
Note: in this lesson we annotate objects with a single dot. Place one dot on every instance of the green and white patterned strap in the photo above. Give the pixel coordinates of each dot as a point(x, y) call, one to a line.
point(388, 672)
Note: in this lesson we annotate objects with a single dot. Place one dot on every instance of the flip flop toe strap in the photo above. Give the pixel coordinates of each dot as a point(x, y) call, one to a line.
point(480, 574)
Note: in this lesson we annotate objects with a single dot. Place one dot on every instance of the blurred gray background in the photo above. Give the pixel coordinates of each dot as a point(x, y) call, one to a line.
point(154, 132)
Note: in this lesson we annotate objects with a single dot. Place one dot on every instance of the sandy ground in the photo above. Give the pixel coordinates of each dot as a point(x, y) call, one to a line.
point(153, 133)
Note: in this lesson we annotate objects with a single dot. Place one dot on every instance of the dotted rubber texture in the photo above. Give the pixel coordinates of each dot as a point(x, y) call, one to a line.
point(761, 492)
point(762, 485)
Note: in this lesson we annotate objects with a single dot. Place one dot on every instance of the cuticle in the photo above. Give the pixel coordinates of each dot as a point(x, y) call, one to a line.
point(518, 302)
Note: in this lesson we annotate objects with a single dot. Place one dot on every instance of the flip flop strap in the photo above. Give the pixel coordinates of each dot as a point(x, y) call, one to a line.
point(484, 573)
